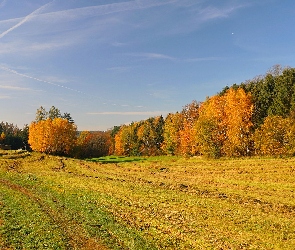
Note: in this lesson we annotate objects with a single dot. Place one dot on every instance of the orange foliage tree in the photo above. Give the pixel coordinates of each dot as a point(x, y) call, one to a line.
point(52, 136)
point(187, 138)
point(238, 111)
point(2, 137)
point(93, 144)
point(224, 124)
point(119, 144)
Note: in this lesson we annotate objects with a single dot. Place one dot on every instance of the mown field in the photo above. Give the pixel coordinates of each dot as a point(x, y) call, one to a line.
point(49, 202)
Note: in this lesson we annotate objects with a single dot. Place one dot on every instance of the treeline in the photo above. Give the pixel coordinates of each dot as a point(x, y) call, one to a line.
point(256, 117)
point(54, 133)
point(13, 136)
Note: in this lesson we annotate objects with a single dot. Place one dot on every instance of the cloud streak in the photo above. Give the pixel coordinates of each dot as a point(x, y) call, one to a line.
point(24, 20)
point(153, 56)
point(5, 97)
point(60, 21)
point(13, 88)
point(39, 80)
point(150, 113)
point(99, 10)
point(158, 56)
point(107, 9)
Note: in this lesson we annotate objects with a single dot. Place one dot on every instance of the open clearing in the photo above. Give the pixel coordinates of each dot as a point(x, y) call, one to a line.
point(49, 202)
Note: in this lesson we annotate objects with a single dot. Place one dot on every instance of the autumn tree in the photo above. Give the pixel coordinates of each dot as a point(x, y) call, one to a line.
point(2, 137)
point(272, 94)
point(210, 127)
point(238, 111)
point(119, 144)
point(82, 143)
point(159, 123)
point(52, 134)
point(42, 114)
point(126, 140)
point(187, 134)
point(150, 136)
point(224, 124)
point(291, 136)
point(93, 144)
point(271, 137)
point(171, 128)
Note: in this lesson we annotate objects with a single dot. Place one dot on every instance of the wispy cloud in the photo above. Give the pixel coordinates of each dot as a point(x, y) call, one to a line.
point(106, 9)
point(110, 21)
point(39, 80)
point(135, 113)
point(5, 97)
point(157, 56)
point(196, 13)
point(28, 47)
point(82, 12)
point(24, 20)
point(13, 88)
point(77, 13)
point(202, 59)
point(214, 12)
point(151, 56)
point(118, 44)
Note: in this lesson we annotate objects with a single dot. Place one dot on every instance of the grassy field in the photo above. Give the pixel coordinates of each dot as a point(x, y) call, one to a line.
point(49, 202)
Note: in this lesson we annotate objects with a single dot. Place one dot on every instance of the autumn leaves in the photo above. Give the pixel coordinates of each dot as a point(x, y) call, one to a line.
point(219, 126)
point(52, 136)
point(254, 118)
point(224, 124)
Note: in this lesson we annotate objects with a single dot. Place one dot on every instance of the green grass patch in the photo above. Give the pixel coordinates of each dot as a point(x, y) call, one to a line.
point(116, 159)
point(151, 203)
point(25, 225)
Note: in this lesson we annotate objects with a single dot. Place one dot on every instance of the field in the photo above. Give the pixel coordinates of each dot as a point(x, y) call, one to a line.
point(49, 202)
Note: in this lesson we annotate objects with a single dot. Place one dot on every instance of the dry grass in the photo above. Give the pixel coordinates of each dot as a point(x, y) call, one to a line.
point(167, 202)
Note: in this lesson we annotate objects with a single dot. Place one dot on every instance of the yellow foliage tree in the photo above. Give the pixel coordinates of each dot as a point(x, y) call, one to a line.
point(52, 136)
point(2, 137)
point(171, 130)
point(187, 138)
point(238, 111)
point(119, 144)
point(273, 136)
point(224, 124)
point(210, 128)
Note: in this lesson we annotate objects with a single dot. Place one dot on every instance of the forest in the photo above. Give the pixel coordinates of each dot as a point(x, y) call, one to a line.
point(255, 117)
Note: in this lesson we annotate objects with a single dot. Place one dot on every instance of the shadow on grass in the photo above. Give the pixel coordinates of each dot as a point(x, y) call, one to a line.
point(116, 159)
point(14, 154)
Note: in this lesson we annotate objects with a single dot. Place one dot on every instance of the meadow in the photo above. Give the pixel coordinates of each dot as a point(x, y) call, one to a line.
point(51, 202)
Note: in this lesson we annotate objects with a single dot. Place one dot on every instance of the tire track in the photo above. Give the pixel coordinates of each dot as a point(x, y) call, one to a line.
point(73, 231)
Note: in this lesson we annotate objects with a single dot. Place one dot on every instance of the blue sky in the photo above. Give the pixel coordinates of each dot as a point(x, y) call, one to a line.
point(110, 62)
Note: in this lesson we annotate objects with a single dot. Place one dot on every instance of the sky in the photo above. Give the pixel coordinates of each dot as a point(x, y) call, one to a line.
point(111, 62)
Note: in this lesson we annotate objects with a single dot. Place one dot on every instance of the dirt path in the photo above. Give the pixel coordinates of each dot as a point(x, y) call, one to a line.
point(72, 230)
